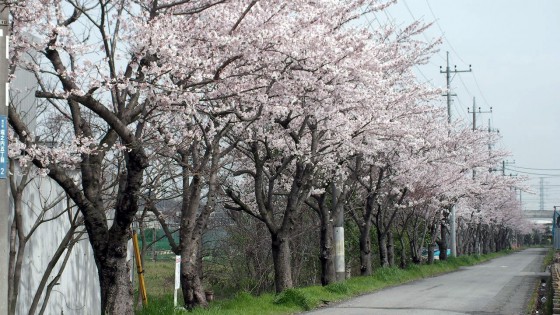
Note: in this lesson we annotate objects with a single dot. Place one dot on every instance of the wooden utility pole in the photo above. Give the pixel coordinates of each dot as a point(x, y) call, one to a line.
point(448, 94)
point(4, 200)
point(474, 122)
point(474, 112)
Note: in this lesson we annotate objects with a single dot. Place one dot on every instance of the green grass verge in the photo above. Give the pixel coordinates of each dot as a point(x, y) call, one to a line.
point(307, 298)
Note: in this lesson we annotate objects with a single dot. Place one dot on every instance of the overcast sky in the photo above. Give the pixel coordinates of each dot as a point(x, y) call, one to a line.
point(514, 49)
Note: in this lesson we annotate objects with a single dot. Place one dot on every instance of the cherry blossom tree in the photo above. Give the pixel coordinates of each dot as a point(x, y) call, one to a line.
point(321, 99)
point(102, 79)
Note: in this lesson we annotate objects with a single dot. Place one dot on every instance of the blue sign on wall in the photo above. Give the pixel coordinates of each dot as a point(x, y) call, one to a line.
point(3, 147)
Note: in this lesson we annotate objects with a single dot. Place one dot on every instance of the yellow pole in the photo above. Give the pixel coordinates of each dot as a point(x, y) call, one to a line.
point(141, 284)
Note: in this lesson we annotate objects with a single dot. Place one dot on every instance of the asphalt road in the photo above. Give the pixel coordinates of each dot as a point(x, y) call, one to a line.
point(501, 286)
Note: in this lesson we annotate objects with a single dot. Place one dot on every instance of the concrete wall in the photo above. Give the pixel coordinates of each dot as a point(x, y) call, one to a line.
point(77, 291)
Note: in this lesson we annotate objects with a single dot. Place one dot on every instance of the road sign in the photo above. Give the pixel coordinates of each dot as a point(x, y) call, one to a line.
point(3, 147)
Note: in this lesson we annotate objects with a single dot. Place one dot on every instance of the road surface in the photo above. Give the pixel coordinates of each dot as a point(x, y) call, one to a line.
point(501, 286)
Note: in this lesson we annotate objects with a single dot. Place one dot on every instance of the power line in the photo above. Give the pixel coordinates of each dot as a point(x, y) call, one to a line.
point(529, 173)
point(443, 33)
point(391, 19)
point(423, 33)
point(548, 185)
point(455, 51)
point(370, 22)
point(465, 86)
point(460, 109)
point(480, 90)
point(537, 169)
point(425, 77)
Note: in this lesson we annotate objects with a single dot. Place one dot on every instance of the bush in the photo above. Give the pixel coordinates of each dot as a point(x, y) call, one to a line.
point(294, 297)
point(339, 288)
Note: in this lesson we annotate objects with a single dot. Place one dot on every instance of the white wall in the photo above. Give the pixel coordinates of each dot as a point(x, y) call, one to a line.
point(78, 288)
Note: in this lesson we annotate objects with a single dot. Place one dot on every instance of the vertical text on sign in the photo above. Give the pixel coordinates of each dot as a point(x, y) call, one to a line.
point(3, 147)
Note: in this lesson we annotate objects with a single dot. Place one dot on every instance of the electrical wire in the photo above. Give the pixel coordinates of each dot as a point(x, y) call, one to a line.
point(443, 33)
point(430, 82)
point(465, 86)
point(458, 56)
point(529, 173)
point(391, 20)
point(423, 33)
point(369, 26)
point(480, 90)
point(460, 109)
point(536, 169)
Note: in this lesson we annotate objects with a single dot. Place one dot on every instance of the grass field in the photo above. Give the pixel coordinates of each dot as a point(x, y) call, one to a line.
point(159, 280)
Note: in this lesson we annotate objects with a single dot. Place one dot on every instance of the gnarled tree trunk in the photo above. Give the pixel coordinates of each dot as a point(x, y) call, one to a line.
point(191, 284)
point(326, 255)
point(391, 249)
point(281, 257)
point(442, 242)
point(383, 249)
point(114, 280)
point(366, 264)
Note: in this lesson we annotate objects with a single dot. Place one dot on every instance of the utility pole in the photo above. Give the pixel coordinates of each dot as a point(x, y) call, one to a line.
point(338, 226)
point(555, 229)
point(504, 163)
point(448, 73)
point(474, 112)
point(491, 130)
point(4, 200)
point(541, 186)
point(474, 122)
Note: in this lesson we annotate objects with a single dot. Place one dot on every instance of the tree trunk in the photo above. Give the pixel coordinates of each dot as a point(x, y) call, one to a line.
point(478, 240)
point(486, 239)
point(460, 238)
point(416, 242)
point(404, 262)
point(366, 267)
point(114, 280)
point(391, 249)
point(415, 251)
point(433, 238)
point(282, 263)
point(383, 252)
point(442, 243)
point(191, 284)
point(328, 274)
point(191, 237)
point(431, 248)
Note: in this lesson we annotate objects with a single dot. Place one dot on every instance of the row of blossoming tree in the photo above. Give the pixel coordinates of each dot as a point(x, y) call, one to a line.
point(268, 109)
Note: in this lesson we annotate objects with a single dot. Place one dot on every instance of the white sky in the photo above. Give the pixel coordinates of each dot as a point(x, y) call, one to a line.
point(514, 49)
